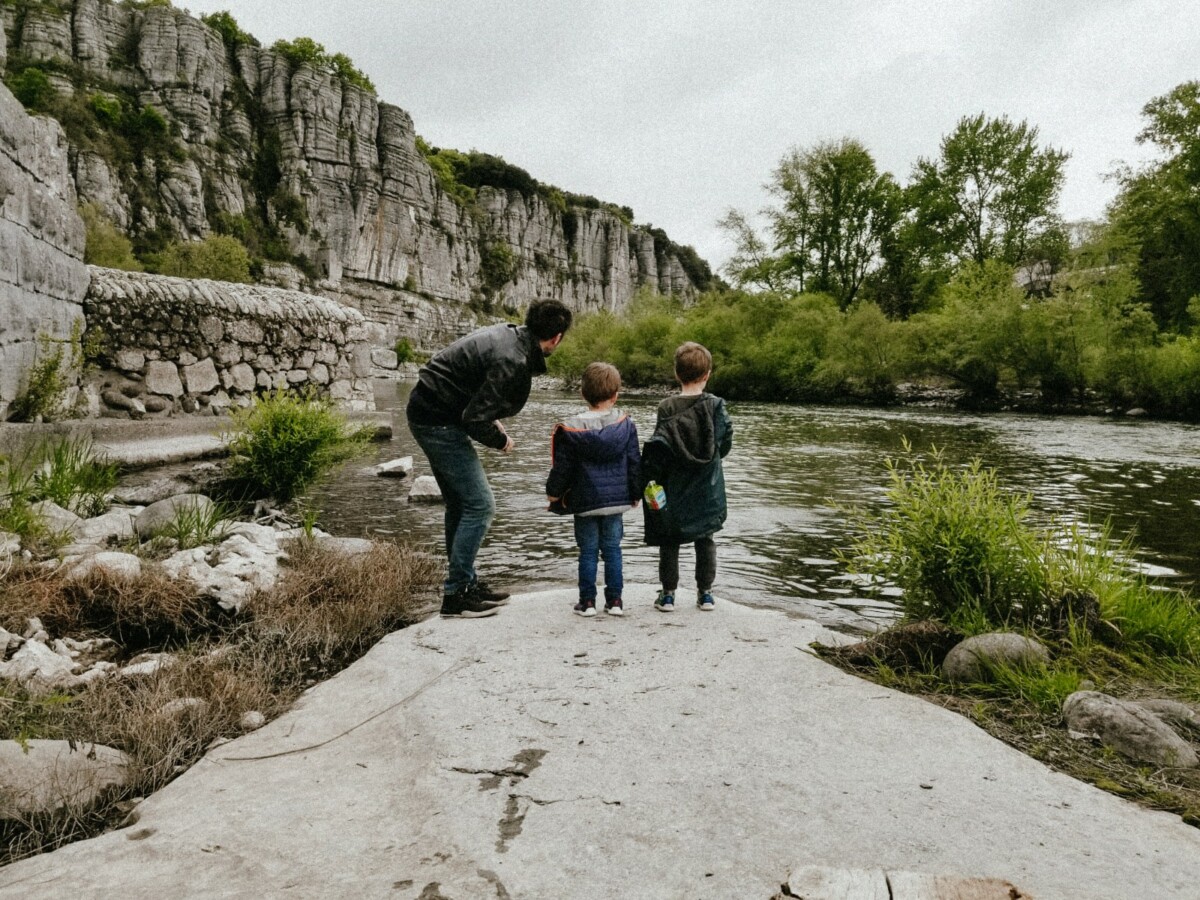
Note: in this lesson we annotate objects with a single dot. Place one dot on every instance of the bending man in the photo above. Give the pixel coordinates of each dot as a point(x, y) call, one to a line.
point(461, 395)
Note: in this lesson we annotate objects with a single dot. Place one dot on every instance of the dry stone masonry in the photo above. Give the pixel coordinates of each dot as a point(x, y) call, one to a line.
point(42, 275)
point(180, 345)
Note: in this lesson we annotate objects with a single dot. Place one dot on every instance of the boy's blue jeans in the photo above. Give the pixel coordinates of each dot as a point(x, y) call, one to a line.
point(600, 535)
point(470, 505)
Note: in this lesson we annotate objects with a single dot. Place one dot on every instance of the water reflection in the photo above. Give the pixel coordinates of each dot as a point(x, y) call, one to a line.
point(790, 470)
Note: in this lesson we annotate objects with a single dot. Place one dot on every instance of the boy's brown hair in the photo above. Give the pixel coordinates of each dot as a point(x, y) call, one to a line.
point(601, 382)
point(692, 362)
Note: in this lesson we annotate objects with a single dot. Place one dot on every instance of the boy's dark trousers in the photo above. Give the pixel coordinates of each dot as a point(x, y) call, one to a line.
point(706, 565)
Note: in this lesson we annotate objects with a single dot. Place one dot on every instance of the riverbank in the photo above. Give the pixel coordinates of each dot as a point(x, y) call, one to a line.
point(538, 755)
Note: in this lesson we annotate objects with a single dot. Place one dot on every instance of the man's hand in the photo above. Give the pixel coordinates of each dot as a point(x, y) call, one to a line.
point(508, 444)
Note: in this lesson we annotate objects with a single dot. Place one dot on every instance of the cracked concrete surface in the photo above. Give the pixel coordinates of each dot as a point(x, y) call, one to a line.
point(536, 754)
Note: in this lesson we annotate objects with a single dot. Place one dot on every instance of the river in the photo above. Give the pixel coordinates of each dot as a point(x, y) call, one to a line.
point(792, 472)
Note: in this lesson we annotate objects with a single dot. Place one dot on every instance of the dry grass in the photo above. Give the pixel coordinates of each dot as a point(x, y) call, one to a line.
point(327, 610)
point(153, 611)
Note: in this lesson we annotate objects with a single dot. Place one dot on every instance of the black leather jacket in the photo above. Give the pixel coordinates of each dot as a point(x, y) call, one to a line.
point(478, 379)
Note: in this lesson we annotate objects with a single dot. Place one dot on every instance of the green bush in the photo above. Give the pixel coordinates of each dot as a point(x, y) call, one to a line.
point(32, 87)
point(961, 548)
point(219, 257)
point(304, 51)
point(497, 266)
point(107, 109)
point(44, 392)
point(106, 245)
point(231, 33)
point(405, 352)
point(285, 441)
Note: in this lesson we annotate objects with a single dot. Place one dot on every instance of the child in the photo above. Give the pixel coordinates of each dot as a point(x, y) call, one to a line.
point(691, 437)
point(594, 471)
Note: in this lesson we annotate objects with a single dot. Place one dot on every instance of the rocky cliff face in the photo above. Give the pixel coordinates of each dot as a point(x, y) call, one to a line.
point(308, 167)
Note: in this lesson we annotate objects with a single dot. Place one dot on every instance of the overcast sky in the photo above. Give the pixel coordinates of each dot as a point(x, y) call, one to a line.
point(680, 108)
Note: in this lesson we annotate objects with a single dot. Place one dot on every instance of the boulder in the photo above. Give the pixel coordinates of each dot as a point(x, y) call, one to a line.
point(130, 360)
point(121, 566)
point(201, 377)
point(425, 490)
point(40, 776)
point(1128, 728)
point(385, 359)
point(395, 468)
point(147, 664)
point(114, 525)
point(151, 492)
point(57, 519)
point(163, 378)
point(10, 545)
point(40, 670)
point(157, 516)
point(971, 660)
point(9, 643)
point(1172, 712)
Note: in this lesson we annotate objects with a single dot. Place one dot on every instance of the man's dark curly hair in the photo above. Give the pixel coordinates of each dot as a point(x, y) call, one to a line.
point(546, 318)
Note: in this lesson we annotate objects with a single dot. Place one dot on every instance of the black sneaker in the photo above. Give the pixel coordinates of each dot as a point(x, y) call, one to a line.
point(465, 604)
point(585, 608)
point(487, 595)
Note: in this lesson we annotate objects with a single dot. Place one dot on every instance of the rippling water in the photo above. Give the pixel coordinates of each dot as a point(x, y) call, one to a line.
point(790, 470)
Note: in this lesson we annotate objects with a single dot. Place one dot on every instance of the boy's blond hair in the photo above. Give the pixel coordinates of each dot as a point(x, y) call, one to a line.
point(601, 382)
point(692, 362)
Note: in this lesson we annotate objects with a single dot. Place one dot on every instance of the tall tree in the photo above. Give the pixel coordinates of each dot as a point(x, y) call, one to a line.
point(992, 193)
point(834, 207)
point(1158, 208)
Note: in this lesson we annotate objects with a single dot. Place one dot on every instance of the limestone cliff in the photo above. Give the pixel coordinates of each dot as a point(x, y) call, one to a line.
point(177, 131)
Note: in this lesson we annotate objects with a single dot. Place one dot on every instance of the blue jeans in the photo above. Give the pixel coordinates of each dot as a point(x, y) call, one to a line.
point(470, 506)
point(600, 535)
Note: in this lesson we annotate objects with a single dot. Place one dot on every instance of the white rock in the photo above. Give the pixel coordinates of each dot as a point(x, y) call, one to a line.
point(10, 544)
point(396, 468)
point(147, 664)
point(425, 490)
point(123, 566)
point(33, 628)
point(9, 643)
point(58, 519)
point(97, 671)
point(350, 546)
point(114, 525)
point(130, 360)
point(182, 706)
point(971, 659)
point(385, 359)
point(1128, 728)
point(144, 494)
point(40, 776)
point(163, 378)
point(158, 515)
point(253, 720)
point(40, 670)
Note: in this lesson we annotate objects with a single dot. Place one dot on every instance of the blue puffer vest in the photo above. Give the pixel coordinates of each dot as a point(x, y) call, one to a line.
point(595, 461)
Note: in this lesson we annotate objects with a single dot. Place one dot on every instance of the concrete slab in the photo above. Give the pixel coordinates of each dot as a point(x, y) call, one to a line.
point(535, 754)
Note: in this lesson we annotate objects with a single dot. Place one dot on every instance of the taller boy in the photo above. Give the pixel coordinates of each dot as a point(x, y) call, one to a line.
point(691, 436)
point(461, 394)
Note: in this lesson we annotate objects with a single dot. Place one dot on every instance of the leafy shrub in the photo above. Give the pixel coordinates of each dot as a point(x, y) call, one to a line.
point(107, 110)
point(304, 51)
point(285, 441)
point(404, 350)
point(961, 548)
point(32, 87)
point(231, 33)
point(497, 265)
point(194, 525)
point(106, 245)
point(219, 257)
point(46, 384)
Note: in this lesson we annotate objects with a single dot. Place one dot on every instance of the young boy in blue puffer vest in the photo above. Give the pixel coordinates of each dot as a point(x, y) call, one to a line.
point(594, 477)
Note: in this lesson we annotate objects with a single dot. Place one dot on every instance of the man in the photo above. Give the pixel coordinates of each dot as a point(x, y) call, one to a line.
point(461, 395)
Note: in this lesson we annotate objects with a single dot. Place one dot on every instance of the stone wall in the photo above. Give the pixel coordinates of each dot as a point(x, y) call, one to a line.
point(194, 346)
point(42, 275)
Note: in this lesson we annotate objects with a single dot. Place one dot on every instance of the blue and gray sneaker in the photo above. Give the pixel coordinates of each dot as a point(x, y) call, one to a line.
point(665, 602)
point(704, 601)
